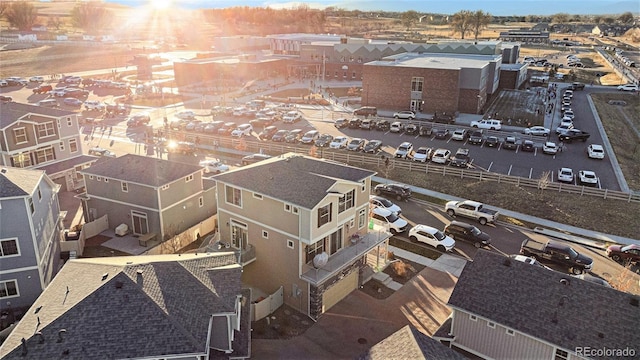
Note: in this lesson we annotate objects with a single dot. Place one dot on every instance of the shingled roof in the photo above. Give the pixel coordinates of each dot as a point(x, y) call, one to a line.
point(547, 305)
point(296, 179)
point(15, 182)
point(12, 111)
point(144, 170)
point(409, 343)
point(128, 307)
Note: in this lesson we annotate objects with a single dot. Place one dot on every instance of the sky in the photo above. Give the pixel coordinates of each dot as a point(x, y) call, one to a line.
point(494, 7)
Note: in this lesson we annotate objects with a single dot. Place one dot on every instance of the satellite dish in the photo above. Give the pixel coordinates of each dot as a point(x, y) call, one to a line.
point(320, 260)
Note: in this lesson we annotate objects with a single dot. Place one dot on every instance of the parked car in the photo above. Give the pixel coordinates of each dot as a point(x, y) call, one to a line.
point(573, 134)
point(382, 125)
point(291, 117)
point(471, 209)
point(366, 111)
point(492, 141)
point(389, 220)
point(226, 129)
point(476, 137)
point(138, 119)
point(459, 230)
point(98, 151)
point(5, 98)
point(459, 135)
point(537, 130)
point(72, 102)
point(406, 115)
point(356, 144)
point(587, 178)
point(577, 86)
point(366, 124)
point(595, 151)
point(372, 147)
point(432, 237)
point(254, 158)
point(490, 124)
point(569, 114)
point(443, 118)
point(48, 103)
point(396, 127)
point(411, 129)
point(528, 145)
point(510, 143)
point(425, 130)
point(461, 158)
point(354, 123)
point(405, 150)
point(186, 115)
point(213, 166)
point(565, 175)
point(310, 137)
point(422, 154)
point(324, 140)
point(242, 130)
point(267, 132)
point(37, 79)
point(558, 253)
point(563, 129)
point(280, 135)
point(628, 87)
point(293, 136)
point(441, 134)
point(381, 202)
point(42, 89)
point(550, 148)
point(182, 147)
point(94, 105)
point(339, 142)
point(398, 191)
point(341, 123)
point(624, 253)
point(441, 156)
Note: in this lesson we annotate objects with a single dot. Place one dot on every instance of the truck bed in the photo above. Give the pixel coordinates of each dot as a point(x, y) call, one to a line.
point(533, 245)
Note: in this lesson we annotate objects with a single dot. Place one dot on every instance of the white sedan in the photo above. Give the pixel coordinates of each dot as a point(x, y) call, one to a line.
point(37, 79)
point(587, 178)
point(441, 156)
point(537, 130)
point(214, 166)
point(550, 148)
point(595, 151)
point(186, 115)
point(628, 87)
point(339, 142)
point(431, 236)
point(565, 175)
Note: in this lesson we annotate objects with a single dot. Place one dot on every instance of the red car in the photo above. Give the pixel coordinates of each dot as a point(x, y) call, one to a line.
point(628, 253)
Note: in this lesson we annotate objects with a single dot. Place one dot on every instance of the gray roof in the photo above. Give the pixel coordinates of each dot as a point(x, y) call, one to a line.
point(12, 111)
point(538, 302)
point(16, 182)
point(435, 61)
point(67, 164)
point(296, 179)
point(409, 343)
point(144, 170)
point(128, 307)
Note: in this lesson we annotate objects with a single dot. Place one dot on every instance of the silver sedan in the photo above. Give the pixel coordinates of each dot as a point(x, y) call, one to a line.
point(537, 130)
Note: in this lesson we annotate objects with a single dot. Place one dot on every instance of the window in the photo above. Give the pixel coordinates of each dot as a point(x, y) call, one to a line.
point(290, 244)
point(9, 247)
point(362, 218)
point(39, 194)
point(417, 83)
point(20, 135)
point(31, 207)
point(165, 187)
point(265, 234)
point(125, 187)
point(106, 180)
point(69, 122)
point(233, 195)
point(61, 145)
point(511, 332)
point(314, 249)
point(491, 325)
point(561, 355)
point(73, 145)
point(8, 288)
point(287, 207)
point(21, 160)
point(473, 318)
point(336, 241)
point(324, 215)
point(44, 155)
point(90, 177)
point(59, 124)
point(99, 178)
point(201, 201)
point(257, 196)
point(46, 129)
point(295, 210)
point(189, 178)
point(346, 201)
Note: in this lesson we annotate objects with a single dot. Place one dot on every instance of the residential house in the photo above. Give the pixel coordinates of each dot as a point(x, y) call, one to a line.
point(147, 194)
point(43, 138)
point(409, 343)
point(188, 306)
point(506, 309)
point(30, 228)
point(301, 223)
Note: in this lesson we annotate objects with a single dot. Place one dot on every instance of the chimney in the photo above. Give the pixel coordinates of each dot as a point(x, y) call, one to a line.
point(24, 347)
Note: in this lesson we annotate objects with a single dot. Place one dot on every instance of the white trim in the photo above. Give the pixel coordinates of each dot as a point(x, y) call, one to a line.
point(17, 247)
point(252, 221)
point(287, 207)
point(473, 317)
point(295, 210)
point(124, 186)
point(510, 332)
point(15, 270)
point(257, 196)
point(291, 244)
point(17, 289)
point(265, 234)
point(123, 203)
point(491, 324)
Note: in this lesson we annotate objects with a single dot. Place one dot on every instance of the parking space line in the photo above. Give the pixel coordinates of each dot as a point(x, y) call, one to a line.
point(509, 172)
point(490, 165)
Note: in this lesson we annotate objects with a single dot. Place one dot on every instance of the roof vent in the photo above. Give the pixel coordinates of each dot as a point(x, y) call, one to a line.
point(119, 284)
point(61, 333)
point(564, 282)
point(634, 301)
point(105, 276)
point(40, 337)
point(37, 309)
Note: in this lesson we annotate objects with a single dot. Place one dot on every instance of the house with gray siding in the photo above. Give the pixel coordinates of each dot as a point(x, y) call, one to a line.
point(30, 230)
point(35, 137)
point(506, 309)
point(147, 194)
point(301, 224)
point(188, 306)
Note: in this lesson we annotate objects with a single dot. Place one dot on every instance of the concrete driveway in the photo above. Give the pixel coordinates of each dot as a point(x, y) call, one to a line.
point(360, 321)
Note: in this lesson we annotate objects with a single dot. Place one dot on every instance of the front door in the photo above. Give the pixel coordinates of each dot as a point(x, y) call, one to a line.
point(239, 235)
point(416, 105)
point(140, 223)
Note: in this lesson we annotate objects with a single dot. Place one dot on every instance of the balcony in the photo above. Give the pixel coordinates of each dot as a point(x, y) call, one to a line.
point(346, 256)
point(245, 256)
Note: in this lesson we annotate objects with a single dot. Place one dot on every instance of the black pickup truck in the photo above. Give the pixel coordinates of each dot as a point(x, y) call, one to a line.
point(573, 134)
point(443, 118)
point(558, 253)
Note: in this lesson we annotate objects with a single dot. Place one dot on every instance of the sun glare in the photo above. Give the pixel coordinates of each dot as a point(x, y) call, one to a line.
point(161, 4)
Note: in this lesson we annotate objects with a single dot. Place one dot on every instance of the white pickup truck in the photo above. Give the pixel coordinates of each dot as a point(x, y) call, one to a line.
point(471, 209)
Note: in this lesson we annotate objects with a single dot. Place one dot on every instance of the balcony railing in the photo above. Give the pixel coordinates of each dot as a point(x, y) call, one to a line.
point(246, 255)
point(354, 249)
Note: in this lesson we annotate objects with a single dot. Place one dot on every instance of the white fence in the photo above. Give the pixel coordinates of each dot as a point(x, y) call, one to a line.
point(268, 305)
point(89, 230)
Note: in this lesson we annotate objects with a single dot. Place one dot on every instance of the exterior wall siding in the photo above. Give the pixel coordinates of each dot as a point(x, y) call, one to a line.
point(179, 190)
point(29, 288)
point(495, 342)
point(188, 213)
point(14, 218)
point(140, 195)
point(121, 213)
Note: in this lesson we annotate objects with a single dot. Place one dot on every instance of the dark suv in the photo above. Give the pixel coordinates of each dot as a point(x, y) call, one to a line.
point(476, 137)
point(366, 111)
point(466, 232)
point(461, 158)
point(398, 191)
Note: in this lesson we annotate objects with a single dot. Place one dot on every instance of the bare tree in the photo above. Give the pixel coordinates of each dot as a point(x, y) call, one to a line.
point(176, 240)
point(544, 181)
point(21, 15)
point(560, 18)
point(479, 22)
point(626, 17)
point(461, 22)
point(409, 18)
point(55, 22)
point(90, 17)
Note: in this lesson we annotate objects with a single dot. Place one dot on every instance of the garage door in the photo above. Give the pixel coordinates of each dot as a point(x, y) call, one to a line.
point(339, 290)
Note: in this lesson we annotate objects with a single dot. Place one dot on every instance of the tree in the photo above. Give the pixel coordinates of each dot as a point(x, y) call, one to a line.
point(479, 22)
point(626, 17)
point(597, 19)
point(55, 22)
point(608, 20)
point(90, 17)
point(21, 15)
point(560, 18)
point(461, 22)
point(409, 18)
